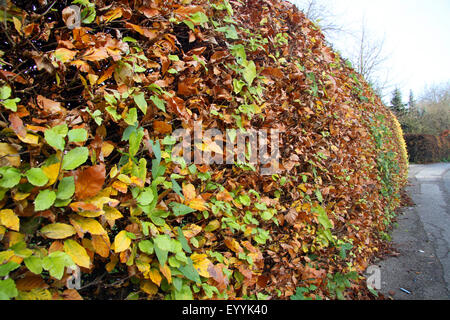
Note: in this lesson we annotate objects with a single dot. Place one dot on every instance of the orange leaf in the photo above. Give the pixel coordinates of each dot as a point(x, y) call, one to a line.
point(189, 192)
point(155, 276)
point(101, 245)
point(151, 34)
point(95, 54)
point(89, 181)
point(233, 245)
point(71, 294)
point(162, 127)
point(165, 270)
point(17, 125)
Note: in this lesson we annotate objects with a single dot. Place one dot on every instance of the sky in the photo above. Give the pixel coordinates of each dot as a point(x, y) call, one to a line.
point(416, 33)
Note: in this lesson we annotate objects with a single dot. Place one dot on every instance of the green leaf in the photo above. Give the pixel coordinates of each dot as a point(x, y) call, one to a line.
point(11, 104)
point(146, 246)
point(140, 101)
point(177, 188)
point(132, 117)
point(160, 104)
point(55, 136)
point(198, 18)
point(66, 188)
point(245, 200)
point(156, 147)
point(56, 262)
point(230, 32)
point(8, 289)
point(189, 272)
point(37, 177)
point(78, 135)
point(34, 264)
point(162, 247)
point(6, 268)
point(44, 200)
point(146, 197)
point(135, 141)
point(238, 51)
point(113, 113)
point(5, 92)
point(323, 217)
point(20, 249)
point(75, 158)
point(183, 241)
point(157, 169)
point(249, 72)
point(179, 209)
point(10, 177)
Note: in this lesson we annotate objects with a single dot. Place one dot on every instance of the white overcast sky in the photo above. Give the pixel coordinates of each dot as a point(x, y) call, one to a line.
point(417, 37)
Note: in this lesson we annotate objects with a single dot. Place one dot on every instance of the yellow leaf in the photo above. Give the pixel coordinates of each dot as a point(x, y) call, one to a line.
point(9, 156)
point(52, 173)
point(17, 25)
point(149, 287)
point(121, 242)
point(197, 204)
point(112, 214)
point(65, 55)
point(189, 192)
point(9, 219)
point(91, 214)
point(19, 196)
point(138, 182)
point(201, 264)
point(191, 231)
point(155, 276)
point(165, 270)
point(77, 253)
point(5, 256)
point(30, 139)
point(90, 225)
point(58, 231)
point(120, 186)
point(143, 267)
point(15, 238)
point(112, 264)
point(100, 200)
point(92, 79)
point(101, 245)
point(107, 149)
point(125, 179)
point(112, 15)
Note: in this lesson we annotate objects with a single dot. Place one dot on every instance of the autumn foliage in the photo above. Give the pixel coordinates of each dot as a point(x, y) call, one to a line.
point(88, 178)
point(426, 148)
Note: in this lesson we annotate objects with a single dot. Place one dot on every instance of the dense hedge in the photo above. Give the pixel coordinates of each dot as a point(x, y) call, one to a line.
point(88, 178)
point(425, 148)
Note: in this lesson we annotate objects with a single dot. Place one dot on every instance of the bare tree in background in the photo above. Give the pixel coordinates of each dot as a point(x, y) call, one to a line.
point(369, 58)
point(368, 52)
point(321, 13)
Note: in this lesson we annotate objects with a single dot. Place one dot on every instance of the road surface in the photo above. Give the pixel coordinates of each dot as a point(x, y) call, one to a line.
point(422, 238)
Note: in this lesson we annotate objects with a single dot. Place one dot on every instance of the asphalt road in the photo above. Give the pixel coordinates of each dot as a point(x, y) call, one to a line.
point(422, 239)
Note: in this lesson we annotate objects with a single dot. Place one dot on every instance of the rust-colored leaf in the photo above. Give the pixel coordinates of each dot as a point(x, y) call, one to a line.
point(89, 181)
